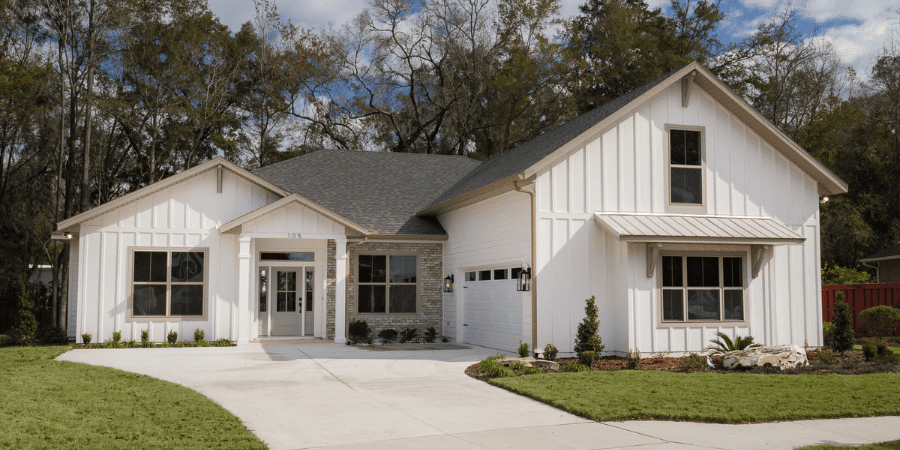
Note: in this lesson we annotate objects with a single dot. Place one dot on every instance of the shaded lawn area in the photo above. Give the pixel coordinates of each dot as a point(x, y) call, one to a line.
point(54, 404)
point(711, 397)
point(893, 349)
point(892, 445)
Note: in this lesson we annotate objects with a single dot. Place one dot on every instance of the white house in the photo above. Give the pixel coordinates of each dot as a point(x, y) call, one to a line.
point(678, 206)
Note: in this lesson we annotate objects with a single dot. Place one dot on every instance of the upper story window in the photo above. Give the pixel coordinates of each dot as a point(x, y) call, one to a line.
point(686, 189)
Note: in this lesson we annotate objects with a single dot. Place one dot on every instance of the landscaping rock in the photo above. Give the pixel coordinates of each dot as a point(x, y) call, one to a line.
point(531, 362)
point(780, 356)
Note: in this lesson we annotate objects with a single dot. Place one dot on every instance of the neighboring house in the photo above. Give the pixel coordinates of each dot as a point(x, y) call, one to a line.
point(886, 263)
point(677, 205)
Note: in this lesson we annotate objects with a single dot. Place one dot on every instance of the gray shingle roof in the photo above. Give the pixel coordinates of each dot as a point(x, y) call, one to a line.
point(381, 191)
point(886, 253)
point(519, 159)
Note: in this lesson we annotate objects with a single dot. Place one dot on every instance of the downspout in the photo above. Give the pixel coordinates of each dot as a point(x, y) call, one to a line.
point(877, 272)
point(347, 285)
point(534, 285)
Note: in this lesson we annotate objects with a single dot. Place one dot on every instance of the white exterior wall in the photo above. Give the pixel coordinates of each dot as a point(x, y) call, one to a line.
point(72, 301)
point(183, 215)
point(489, 234)
point(622, 169)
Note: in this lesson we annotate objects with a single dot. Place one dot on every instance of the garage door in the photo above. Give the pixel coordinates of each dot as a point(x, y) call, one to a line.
point(493, 310)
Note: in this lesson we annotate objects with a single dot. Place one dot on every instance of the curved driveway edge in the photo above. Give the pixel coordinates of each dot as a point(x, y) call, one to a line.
point(322, 395)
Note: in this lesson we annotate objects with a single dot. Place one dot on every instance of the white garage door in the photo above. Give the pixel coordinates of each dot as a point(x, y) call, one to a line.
point(493, 310)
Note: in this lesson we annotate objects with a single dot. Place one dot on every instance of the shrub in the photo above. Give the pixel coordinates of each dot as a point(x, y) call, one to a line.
point(878, 351)
point(26, 326)
point(518, 366)
point(575, 367)
point(693, 361)
point(387, 335)
point(407, 335)
point(827, 334)
point(587, 338)
point(430, 335)
point(117, 336)
point(550, 352)
point(222, 343)
point(52, 335)
point(199, 335)
point(172, 338)
point(493, 369)
point(587, 358)
point(523, 349)
point(633, 359)
point(725, 344)
point(842, 339)
point(532, 371)
point(145, 336)
point(484, 363)
point(86, 338)
point(843, 275)
point(358, 331)
point(880, 320)
point(825, 356)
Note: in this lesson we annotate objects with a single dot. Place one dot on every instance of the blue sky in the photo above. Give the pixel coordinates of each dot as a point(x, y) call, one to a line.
point(858, 29)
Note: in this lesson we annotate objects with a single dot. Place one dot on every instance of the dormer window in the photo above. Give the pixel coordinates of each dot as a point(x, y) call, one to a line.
point(686, 189)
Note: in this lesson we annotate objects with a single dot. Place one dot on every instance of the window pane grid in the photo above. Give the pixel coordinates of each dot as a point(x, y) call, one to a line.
point(387, 284)
point(168, 283)
point(709, 294)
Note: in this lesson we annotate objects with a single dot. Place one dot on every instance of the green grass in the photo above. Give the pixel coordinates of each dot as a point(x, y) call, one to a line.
point(53, 404)
point(893, 349)
point(712, 397)
point(892, 445)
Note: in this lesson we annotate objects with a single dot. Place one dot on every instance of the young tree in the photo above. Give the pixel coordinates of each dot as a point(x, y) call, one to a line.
point(587, 338)
point(844, 337)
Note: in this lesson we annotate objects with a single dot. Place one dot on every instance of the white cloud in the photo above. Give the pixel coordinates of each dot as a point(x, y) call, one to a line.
point(316, 14)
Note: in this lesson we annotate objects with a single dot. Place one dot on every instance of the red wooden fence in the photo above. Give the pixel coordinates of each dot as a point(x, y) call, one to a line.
point(860, 297)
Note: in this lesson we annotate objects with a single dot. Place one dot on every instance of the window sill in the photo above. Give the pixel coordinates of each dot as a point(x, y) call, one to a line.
point(145, 319)
point(704, 324)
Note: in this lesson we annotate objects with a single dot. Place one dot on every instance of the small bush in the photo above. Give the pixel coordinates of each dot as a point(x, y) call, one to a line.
point(518, 366)
point(880, 320)
point(587, 338)
point(693, 361)
point(550, 352)
point(532, 371)
point(145, 336)
point(493, 369)
point(199, 335)
point(172, 338)
point(407, 335)
point(825, 356)
point(725, 344)
point(575, 367)
point(827, 334)
point(387, 335)
point(430, 335)
point(222, 343)
point(358, 331)
point(587, 358)
point(878, 351)
point(633, 359)
point(484, 363)
point(842, 339)
point(523, 349)
point(131, 344)
point(86, 338)
point(117, 336)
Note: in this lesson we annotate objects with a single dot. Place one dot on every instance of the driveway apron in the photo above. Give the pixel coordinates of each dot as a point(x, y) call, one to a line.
point(313, 394)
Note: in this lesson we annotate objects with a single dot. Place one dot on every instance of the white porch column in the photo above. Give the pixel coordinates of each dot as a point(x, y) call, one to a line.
point(243, 309)
point(340, 291)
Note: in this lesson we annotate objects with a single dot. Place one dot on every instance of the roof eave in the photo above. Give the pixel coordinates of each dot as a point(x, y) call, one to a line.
point(291, 198)
point(491, 190)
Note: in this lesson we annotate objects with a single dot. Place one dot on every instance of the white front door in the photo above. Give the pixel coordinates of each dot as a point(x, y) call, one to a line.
point(287, 314)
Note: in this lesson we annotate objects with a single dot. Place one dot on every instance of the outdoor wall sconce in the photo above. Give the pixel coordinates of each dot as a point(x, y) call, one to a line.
point(448, 283)
point(524, 283)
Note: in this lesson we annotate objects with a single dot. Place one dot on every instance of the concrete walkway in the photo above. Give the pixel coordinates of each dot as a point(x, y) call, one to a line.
point(311, 394)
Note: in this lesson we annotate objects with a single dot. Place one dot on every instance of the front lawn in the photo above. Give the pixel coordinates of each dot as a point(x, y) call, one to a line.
point(53, 404)
point(892, 445)
point(711, 397)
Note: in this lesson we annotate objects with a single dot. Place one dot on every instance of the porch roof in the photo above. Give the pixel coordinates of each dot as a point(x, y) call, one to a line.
point(696, 229)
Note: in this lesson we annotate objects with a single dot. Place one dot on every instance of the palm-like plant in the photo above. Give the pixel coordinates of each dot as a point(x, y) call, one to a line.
point(725, 344)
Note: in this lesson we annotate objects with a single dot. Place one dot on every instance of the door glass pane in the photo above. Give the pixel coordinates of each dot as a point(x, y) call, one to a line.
point(687, 185)
point(187, 267)
point(703, 304)
point(403, 269)
point(287, 291)
point(672, 274)
point(149, 300)
point(187, 300)
point(703, 271)
point(282, 256)
point(734, 305)
point(673, 305)
point(263, 289)
point(403, 299)
point(309, 289)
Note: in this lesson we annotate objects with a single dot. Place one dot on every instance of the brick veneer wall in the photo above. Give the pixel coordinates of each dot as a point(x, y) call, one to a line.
point(330, 282)
point(429, 313)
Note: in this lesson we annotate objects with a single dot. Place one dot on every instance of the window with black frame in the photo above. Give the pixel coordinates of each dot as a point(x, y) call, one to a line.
point(702, 288)
point(387, 284)
point(168, 283)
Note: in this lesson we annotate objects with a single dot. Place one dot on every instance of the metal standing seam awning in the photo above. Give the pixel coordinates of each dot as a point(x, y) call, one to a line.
point(656, 229)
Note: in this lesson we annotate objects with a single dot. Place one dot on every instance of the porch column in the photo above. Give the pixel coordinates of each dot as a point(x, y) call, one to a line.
point(243, 307)
point(340, 291)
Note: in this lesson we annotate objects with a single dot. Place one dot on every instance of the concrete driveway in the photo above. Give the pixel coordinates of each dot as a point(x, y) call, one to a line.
point(299, 395)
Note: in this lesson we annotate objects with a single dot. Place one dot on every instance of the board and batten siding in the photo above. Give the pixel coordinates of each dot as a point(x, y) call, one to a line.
point(185, 215)
point(622, 169)
point(489, 234)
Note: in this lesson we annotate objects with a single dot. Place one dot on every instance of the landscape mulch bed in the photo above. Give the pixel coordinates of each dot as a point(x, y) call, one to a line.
point(850, 363)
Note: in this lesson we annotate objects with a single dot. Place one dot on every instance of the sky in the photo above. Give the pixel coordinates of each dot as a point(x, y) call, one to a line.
point(858, 29)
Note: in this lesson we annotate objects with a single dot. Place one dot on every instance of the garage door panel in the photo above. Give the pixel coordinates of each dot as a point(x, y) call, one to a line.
point(493, 314)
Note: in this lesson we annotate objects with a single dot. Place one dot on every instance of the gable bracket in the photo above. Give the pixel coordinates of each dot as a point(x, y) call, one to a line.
point(756, 255)
point(686, 82)
point(652, 255)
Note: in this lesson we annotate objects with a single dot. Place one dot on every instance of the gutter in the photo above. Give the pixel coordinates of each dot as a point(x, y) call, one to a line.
point(534, 284)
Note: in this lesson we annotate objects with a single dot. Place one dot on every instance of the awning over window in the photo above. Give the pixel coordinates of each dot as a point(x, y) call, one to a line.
point(696, 229)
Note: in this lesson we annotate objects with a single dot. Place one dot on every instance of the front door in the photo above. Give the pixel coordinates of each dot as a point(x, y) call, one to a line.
point(287, 315)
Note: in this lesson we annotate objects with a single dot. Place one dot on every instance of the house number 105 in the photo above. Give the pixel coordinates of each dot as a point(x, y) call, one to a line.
point(294, 235)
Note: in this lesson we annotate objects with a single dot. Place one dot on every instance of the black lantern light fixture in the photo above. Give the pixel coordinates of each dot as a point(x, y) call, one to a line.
point(524, 282)
point(448, 283)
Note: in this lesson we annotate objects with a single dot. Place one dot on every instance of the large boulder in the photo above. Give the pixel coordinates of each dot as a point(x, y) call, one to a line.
point(780, 356)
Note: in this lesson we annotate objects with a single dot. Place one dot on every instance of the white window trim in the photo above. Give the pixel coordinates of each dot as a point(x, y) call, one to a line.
point(387, 283)
point(682, 207)
point(745, 257)
point(130, 317)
